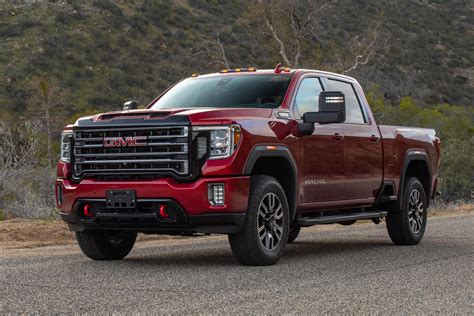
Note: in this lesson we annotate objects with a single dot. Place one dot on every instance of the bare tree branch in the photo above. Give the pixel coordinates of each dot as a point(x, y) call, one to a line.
point(300, 23)
point(221, 46)
point(47, 96)
point(369, 50)
point(275, 36)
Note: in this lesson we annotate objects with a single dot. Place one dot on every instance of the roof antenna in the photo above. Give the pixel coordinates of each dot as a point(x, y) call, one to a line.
point(277, 68)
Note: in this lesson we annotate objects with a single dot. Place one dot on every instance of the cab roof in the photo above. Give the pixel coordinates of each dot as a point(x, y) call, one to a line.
point(284, 71)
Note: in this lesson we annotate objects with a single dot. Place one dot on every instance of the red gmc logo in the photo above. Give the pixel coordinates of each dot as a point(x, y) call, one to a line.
point(124, 141)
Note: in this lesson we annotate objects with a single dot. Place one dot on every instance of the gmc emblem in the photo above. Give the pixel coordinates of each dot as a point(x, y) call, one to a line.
point(124, 141)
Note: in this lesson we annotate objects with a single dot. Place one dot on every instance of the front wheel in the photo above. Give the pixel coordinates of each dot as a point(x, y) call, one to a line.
point(106, 244)
point(294, 232)
point(264, 235)
point(407, 226)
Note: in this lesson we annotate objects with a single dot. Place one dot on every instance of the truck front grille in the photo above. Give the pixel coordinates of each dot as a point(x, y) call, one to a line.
point(131, 151)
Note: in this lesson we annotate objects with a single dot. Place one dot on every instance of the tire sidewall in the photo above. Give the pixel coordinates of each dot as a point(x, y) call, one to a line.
point(252, 215)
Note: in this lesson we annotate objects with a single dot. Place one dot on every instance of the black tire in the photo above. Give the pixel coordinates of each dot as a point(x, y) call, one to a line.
point(294, 232)
point(247, 245)
point(106, 245)
point(407, 226)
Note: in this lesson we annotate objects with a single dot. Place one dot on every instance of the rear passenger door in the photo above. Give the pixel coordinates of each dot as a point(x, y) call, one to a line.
point(363, 157)
point(322, 162)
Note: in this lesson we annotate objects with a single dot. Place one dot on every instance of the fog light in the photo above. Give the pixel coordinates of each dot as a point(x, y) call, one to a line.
point(215, 194)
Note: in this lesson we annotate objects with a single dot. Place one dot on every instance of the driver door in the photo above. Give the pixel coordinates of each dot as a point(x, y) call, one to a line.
point(322, 172)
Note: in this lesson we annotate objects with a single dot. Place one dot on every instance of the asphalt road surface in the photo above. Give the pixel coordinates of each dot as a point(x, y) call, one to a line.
point(327, 270)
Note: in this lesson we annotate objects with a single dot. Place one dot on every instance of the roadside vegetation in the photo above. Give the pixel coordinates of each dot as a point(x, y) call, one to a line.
point(61, 60)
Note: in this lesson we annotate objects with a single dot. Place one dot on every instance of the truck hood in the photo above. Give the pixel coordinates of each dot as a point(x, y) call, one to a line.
point(182, 116)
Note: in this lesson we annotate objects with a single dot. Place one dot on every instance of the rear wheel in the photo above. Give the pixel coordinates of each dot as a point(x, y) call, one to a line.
point(407, 226)
point(264, 235)
point(106, 244)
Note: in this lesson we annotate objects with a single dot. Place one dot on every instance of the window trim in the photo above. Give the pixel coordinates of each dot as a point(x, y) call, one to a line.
point(297, 89)
point(359, 101)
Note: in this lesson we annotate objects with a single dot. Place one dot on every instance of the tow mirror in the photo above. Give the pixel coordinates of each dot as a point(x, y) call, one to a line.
point(130, 105)
point(332, 109)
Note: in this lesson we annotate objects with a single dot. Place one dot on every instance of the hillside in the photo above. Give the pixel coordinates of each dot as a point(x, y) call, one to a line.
point(60, 60)
point(105, 52)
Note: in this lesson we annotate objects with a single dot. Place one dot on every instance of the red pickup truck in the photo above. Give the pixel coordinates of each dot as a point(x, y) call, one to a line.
point(254, 154)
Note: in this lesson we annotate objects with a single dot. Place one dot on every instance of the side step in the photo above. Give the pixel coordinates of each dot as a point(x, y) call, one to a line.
point(310, 221)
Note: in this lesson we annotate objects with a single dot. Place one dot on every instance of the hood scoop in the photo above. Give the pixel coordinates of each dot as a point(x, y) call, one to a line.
point(141, 114)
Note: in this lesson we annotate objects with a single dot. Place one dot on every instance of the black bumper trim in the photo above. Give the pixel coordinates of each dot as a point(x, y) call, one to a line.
point(220, 223)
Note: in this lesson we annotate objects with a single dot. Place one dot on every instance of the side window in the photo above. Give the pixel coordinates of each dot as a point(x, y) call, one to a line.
point(353, 110)
point(307, 97)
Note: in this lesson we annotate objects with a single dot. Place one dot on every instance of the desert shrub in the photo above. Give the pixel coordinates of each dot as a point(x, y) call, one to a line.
point(26, 185)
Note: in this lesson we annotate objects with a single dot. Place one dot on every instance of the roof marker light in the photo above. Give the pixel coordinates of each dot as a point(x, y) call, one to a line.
point(248, 69)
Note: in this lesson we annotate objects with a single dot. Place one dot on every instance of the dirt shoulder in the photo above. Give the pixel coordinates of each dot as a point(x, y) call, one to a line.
point(25, 233)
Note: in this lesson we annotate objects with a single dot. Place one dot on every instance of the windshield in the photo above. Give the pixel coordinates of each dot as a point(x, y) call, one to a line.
point(265, 91)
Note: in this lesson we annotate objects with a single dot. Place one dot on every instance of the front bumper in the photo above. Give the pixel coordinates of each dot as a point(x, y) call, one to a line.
point(190, 199)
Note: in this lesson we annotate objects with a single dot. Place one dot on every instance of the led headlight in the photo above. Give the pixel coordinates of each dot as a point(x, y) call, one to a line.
point(66, 146)
point(223, 140)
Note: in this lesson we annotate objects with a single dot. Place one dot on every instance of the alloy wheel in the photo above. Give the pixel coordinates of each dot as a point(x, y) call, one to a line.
point(270, 221)
point(415, 211)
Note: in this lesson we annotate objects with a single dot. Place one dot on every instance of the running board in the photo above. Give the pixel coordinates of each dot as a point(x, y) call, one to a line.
point(310, 221)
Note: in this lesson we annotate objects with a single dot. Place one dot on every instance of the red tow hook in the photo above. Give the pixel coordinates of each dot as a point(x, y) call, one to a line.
point(163, 212)
point(88, 211)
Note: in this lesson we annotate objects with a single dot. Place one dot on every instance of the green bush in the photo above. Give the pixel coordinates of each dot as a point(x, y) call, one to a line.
point(453, 124)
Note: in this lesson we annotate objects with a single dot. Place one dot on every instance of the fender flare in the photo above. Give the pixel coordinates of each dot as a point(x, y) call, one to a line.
point(414, 155)
point(275, 151)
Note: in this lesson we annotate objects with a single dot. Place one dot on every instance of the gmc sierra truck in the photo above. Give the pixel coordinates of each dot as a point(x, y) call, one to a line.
point(254, 154)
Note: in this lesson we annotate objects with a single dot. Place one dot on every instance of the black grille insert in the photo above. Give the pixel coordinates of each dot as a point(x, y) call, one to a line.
point(125, 151)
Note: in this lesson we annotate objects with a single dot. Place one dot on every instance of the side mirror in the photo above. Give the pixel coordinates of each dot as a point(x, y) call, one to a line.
point(130, 105)
point(332, 109)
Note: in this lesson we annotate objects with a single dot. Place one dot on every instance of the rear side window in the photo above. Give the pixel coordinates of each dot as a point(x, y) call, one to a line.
point(307, 97)
point(353, 110)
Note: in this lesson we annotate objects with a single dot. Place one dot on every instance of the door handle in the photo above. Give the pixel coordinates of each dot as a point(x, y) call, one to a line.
point(374, 138)
point(338, 137)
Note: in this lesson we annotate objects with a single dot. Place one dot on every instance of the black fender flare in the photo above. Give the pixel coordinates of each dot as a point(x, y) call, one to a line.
point(274, 151)
point(414, 155)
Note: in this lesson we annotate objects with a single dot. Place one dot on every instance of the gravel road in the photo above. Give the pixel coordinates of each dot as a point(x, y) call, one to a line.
point(329, 269)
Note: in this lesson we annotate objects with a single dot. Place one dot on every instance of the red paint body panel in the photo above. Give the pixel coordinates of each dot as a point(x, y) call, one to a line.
point(191, 196)
point(338, 166)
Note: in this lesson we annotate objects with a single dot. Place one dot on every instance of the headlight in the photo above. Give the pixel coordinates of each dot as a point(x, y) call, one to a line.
point(223, 139)
point(66, 146)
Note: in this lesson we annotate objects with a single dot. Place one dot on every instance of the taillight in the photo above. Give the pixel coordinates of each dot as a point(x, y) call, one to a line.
point(438, 149)
point(438, 145)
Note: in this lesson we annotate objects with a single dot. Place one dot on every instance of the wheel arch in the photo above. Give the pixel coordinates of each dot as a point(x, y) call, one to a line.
point(275, 161)
point(416, 164)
